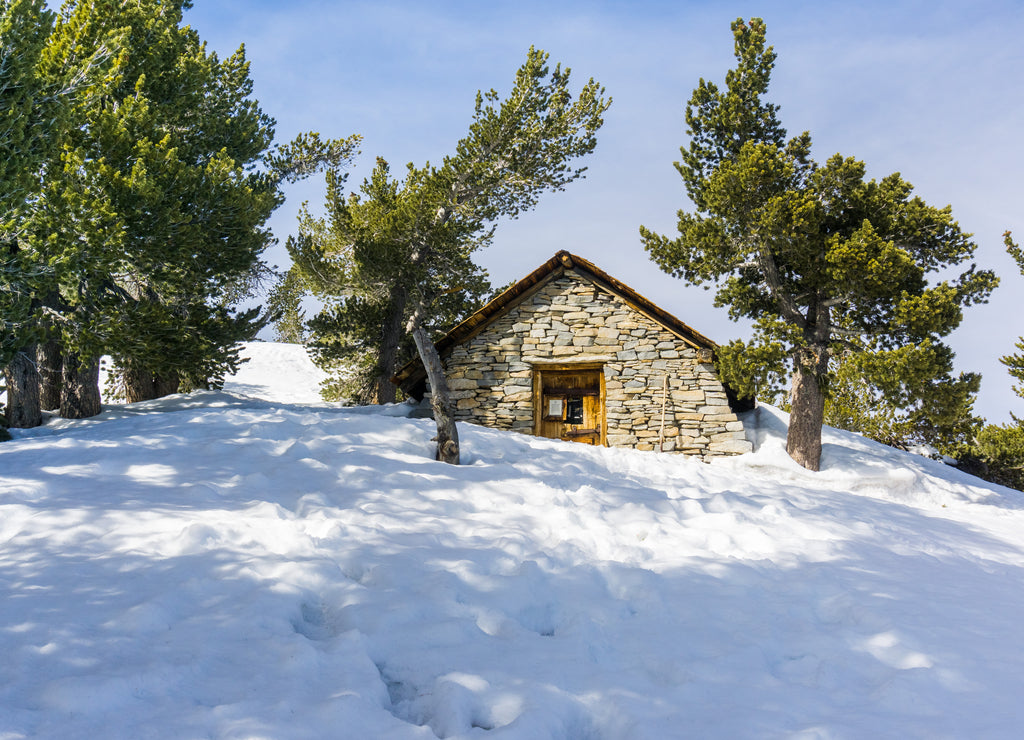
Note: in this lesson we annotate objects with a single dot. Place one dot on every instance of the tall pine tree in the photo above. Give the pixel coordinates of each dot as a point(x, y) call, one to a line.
point(24, 109)
point(825, 262)
point(407, 247)
point(157, 205)
point(152, 196)
point(359, 262)
point(40, 85)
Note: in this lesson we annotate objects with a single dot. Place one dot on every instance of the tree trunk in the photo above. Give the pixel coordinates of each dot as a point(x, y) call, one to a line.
point(80, 396)
point(166, 384)
point(807, 413)
point(440, 399)
point(384, 390)
point(49, 360)
point(138, 383)
point(142, 385)
point(22, 379)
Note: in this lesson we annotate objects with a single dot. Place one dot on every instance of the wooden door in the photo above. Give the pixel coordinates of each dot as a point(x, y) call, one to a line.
point(571, 405)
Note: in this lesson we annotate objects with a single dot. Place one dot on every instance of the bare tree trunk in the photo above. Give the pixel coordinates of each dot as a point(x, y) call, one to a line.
point(80, 396)
point(22, 379)
point(440, 399)
point(807, 413)
point(49, 360)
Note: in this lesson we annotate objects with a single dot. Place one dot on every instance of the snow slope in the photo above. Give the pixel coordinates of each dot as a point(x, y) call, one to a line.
point(253, 563)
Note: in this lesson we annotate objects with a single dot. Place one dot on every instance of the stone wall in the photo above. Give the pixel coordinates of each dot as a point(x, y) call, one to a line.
point(572, 320)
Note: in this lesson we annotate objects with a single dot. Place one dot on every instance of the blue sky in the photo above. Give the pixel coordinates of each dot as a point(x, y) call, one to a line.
point(928, 89)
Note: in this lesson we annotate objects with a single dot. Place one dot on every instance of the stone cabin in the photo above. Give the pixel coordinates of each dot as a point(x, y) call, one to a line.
point(571, 353)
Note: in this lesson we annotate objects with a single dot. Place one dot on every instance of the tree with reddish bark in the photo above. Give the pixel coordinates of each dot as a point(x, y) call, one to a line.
point(827, 264)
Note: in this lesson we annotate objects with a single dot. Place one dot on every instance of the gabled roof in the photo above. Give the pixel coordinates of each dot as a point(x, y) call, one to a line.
point(413, 372)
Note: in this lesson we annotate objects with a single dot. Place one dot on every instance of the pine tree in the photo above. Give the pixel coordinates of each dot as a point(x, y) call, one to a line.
point(156, 208)
point(39, 86)
point(1015, 362)
point(408, 245)
point(998, 451)
point(155, 184)
point(998, 454)
point(284, 305)
point(938, 413)
point(826, 263)
point(24, 27)
point(365, 246)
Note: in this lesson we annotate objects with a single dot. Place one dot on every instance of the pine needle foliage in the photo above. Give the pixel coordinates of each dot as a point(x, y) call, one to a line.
point(39, 88)
point(997, 453)
point(394, 261)
point(154, 208)
point(825, 262)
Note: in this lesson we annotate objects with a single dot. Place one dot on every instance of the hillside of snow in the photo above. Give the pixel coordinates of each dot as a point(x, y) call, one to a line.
point(253, 563)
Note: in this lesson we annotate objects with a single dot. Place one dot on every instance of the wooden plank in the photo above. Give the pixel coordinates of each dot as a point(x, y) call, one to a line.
point(573, 391)
point(554, 367)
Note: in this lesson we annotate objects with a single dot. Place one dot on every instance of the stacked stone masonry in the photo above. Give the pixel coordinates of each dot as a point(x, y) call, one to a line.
point(570, 319)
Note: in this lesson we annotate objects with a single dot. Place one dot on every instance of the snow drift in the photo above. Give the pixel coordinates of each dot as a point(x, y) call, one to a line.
point(252, 563)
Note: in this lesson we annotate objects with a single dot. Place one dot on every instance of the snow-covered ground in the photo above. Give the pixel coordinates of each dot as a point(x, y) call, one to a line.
point(253, 563)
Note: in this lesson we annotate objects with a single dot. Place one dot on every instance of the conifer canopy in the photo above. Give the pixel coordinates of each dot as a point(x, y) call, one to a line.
point(827, 263)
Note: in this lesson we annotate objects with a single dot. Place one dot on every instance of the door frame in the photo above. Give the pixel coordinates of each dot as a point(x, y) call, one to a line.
point(539, 368)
